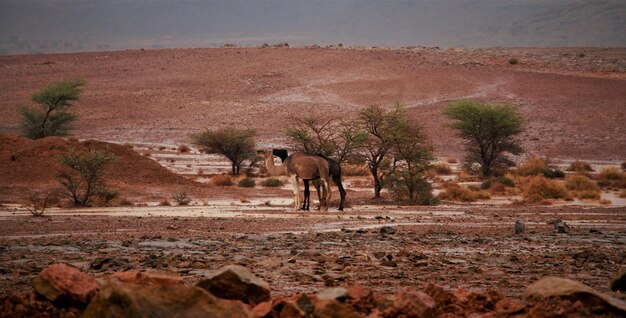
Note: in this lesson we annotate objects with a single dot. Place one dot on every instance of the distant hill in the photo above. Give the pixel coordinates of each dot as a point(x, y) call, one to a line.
point(42, 26)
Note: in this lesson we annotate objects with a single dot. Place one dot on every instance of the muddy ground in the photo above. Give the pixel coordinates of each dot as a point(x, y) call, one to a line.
point(455, 246)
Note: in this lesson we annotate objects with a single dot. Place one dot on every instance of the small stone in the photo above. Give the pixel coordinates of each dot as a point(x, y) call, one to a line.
point(339, 293)
point(519, 227)
point(387, 230)
point(561, 227)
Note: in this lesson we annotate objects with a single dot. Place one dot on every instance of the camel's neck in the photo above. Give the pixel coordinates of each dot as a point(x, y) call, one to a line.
point(272, 169)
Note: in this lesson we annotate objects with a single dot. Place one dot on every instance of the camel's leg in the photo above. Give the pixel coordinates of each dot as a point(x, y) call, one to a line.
point(327, 195)
point(296, 192)
point(316, 183)
point(342, 191)
point(307, 195)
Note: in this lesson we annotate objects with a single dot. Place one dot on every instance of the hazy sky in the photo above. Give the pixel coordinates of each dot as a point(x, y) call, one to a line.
point(34, 26)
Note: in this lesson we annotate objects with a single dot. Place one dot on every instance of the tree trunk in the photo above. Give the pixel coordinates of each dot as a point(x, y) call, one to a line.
point(378, 186)
point(235, 169)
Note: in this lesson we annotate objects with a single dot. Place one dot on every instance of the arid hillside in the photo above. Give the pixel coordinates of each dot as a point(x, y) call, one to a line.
point(574, 99)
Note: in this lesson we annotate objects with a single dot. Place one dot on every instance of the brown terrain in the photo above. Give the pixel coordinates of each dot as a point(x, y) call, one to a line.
point(141, 105)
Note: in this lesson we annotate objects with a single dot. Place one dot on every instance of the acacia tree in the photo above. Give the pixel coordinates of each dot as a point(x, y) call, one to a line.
point(411, 159)
point(383, 129)
point(51, 118)
point(235, 144)
point(83, 173)
point(336, 139)
point(489, 132)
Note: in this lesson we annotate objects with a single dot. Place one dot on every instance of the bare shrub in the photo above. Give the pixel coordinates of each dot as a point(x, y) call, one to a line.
point(38, 202)
point(83, 173)
point(579, 166)
point(180, 197)
point(222, 180)
point(537, 189)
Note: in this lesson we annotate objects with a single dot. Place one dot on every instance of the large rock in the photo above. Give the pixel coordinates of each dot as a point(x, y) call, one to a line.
point(151, 278)
point(549, 287)
point(333, 309)
point(237, 282)
point(414, 303)
point(117, 299)
point(65, 285)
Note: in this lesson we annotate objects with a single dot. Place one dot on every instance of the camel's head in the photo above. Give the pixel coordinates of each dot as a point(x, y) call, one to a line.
point(265, 153)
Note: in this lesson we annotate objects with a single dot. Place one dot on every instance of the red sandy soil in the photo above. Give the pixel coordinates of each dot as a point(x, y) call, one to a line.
point(574, 99)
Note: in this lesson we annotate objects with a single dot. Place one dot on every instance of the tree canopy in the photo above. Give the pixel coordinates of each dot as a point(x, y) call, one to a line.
point(51, 118)
point(489, 132)
point(235, 144)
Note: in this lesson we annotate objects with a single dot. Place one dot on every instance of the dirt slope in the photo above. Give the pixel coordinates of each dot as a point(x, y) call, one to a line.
point(31, 165)
point(574, 99)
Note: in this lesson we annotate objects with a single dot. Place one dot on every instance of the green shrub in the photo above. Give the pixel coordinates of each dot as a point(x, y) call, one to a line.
point(410, 187)
point(246, 183)
point(271, 182)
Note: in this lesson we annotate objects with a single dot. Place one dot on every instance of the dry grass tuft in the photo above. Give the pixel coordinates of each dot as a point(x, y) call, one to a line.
point(612, 177)
point(272, 182)
point(580, 183)
point(531, 166)
point(222, 180)
point(165, 202)
point(183, 148)
point(455, 192)
point(349, 169)
point(246, 183)
point(579, 166)
point(538, 189)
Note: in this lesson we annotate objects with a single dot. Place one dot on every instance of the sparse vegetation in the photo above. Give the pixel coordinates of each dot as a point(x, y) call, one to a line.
point(410, 187)
point(455, 192)
point(222, 180)
point(442, 169)
point(489, 132)
point(582, 187)
point(272, 182)
point(351, 169)
point(579, 166)
point(183, 148)
point(538, 188)
point(180, 197)
point(513, 61)
point(235, 144)
point(612, 177)
point(52, 118)
point(536, 166)
point(83, 173)
point(246, 183)
point(38, 202)
point(452, 160)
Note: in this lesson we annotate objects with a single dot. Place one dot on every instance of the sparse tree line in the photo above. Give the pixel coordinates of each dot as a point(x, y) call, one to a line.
point(385, 140)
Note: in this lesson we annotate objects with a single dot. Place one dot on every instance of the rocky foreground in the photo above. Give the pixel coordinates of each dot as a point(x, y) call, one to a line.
point(233, 291)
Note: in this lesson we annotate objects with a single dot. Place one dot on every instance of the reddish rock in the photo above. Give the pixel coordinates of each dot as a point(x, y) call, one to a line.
point(65, 285)
point(262, 310)
point(414, 303)
point(333, 309)
point(117, 299)
point(152, 278)
point(237, 282)
point(508, 306)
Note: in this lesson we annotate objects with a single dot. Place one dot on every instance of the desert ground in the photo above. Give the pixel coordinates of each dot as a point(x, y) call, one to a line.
point(143, 104)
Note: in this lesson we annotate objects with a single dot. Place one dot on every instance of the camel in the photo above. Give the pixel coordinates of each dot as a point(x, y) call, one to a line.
point(302, 166)
point(334, 169)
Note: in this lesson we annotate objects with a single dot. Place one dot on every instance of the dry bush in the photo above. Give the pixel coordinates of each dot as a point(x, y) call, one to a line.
point(162, 148)
point(605, 202)
point(350, 169)
point(222, 180)
point(537, 166)
point(586, 194)
point(538, 188)
point(272, 182)
point(180, 197)
point(452, 160)
point(501, 184)
point(612, 177)
point(442, 168)
point(465, 176)
point(579, 166)
point(455, 192)
point(580, 183)
point(165, 202)
point(183, 148)
point(38, 202)
point(120, 201)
